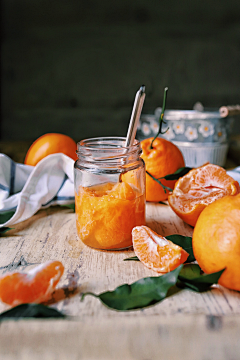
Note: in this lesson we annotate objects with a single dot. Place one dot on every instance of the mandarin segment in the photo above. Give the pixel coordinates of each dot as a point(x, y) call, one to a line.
point(155, 251)
point(35, 286)
point(216, 240)
point(199, 188)
point(107, 213)
point(163, 159)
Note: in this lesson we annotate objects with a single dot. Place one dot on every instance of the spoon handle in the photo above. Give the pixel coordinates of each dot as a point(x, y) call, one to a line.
point(136, 112)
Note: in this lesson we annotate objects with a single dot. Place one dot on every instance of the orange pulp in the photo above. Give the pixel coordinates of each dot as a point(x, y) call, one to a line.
point(107, 213)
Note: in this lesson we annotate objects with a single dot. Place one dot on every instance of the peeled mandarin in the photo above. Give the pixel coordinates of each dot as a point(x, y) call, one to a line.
point(155, 251)
point(33, 287)
point(199, 188)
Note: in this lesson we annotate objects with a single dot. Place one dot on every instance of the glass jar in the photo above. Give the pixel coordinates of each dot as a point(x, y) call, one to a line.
point(109, 181)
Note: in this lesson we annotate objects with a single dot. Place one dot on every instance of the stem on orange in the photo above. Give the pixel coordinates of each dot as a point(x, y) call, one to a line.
point(161, 121)
point(159, 182)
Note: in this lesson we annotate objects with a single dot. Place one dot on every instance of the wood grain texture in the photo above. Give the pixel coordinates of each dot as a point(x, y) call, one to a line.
point(51, 234)
point(140, 338)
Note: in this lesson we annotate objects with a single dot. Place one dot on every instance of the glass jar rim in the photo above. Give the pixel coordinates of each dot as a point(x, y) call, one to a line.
point(108, 149)
point(107, 143)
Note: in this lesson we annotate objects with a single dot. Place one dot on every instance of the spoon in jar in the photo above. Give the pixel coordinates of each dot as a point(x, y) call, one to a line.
point(136, 113)
point(135, 116)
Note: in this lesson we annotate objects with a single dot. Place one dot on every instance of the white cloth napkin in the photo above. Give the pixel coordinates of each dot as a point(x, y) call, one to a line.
point(26, 189)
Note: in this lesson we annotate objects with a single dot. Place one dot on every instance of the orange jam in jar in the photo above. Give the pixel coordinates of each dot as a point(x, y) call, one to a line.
point(109, 192)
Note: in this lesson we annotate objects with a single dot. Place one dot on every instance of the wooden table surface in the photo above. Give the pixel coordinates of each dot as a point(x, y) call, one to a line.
point(186, 325)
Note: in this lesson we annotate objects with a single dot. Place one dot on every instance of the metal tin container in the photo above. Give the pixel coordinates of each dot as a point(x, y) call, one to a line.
point(202, 136)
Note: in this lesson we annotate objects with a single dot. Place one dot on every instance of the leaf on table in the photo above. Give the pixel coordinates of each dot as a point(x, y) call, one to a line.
point(177, 174)
point(31, 311)
point(132, 258)
point(163, 203)
point(142, 293)
point(191, 271)
point(4, 229)
point(5, 216)
point(70, 206)
point(191, 277)
point(185, 242)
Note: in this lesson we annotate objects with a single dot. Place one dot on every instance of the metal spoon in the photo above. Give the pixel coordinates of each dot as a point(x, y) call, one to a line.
point(136, 113)
point(135, 116)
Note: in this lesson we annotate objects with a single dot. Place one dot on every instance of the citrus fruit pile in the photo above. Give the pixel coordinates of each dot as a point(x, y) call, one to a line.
point(161, 158)
point(50, 143)
point(36, 286)
point(205, 198)
point(107, 213)
point(199, 188)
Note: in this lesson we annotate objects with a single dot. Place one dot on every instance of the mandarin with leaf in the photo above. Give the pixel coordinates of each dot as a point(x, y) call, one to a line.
point(161, 158)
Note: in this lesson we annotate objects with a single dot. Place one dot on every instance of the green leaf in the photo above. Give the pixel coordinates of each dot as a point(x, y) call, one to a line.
point(144, 292)
point(177, 174)
point(159, 182)
point(70, 206)
point(192, 277)
point(185, 242)
point(5, 216)
point(191, 271)
point(31, 311)
point(133, 258)
point(162, 202)
point(4, 229)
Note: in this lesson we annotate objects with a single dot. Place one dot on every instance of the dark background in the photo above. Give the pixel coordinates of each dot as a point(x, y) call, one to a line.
point(74, 66)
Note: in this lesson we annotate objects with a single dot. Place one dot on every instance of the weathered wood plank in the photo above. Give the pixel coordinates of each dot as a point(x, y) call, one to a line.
point(176, 337)
point(51, 234)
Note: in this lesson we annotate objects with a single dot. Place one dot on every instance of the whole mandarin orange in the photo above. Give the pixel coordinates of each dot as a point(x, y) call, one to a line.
point(216, 240)
point(163, 159)
point(50, 143)
point(199, 188)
